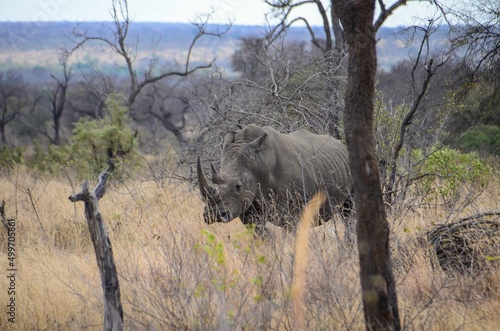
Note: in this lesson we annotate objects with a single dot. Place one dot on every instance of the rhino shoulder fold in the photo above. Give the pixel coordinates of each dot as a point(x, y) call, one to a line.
point(252, 132)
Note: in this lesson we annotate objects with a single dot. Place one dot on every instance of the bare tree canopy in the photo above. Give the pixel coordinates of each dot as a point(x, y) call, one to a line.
point(475, 27)
point(475, 40)
point(12, 100)
point(152, 74)
point(332, 43)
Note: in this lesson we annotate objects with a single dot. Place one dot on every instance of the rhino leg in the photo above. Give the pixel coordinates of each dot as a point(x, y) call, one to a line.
point(348, 207)
point(349, 222)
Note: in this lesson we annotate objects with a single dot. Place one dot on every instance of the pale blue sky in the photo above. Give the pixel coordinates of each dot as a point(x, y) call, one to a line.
point(247, 12)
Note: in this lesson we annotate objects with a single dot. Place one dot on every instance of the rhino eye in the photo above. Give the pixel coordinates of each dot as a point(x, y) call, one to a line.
point(237, 187)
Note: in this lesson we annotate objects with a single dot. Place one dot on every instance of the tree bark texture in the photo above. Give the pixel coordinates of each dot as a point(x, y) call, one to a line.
point(113, 312)
point(377, 282)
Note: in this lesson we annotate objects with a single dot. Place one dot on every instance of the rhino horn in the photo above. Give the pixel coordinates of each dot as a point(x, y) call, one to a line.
point(216, 178)
point(205, 188)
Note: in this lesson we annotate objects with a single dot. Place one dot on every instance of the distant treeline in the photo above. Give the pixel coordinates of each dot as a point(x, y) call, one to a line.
point(24, 37)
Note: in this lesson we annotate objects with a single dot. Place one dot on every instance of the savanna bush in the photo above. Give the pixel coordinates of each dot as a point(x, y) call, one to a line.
point(387, 124)
point(484, 138)
point(447, 175)
point(51, 161)
point(95, 144)
point(10, 156)
point(98, 142)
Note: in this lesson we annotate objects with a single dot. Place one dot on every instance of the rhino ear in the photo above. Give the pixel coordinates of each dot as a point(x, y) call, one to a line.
point(256, 145)
point(228, 138)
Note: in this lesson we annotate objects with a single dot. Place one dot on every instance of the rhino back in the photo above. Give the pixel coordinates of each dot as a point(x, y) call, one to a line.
point(310, 162)
point(300, 161)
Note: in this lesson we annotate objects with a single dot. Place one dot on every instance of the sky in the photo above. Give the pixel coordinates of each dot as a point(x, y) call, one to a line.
point(241, 12)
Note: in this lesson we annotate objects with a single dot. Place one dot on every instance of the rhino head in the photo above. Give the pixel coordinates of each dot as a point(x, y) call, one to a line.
point(231, 191)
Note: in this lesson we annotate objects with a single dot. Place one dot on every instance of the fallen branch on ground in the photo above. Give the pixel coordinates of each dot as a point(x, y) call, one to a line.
point(468, 245)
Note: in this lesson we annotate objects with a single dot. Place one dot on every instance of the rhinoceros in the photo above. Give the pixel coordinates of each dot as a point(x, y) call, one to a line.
point(269, 176)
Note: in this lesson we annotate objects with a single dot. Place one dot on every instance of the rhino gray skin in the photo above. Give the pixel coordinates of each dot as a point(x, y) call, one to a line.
point(269, 176)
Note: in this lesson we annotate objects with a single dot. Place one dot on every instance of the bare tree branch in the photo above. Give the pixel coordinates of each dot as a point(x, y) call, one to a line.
point(386, 12)
point(13, 99)
point(416, 106)
point(121, 19)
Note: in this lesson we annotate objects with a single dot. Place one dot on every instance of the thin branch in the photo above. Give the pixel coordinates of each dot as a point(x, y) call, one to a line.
point(386, 12)
point(326, 25)
point(33, 205)
point(283, 26)
point(430, 70)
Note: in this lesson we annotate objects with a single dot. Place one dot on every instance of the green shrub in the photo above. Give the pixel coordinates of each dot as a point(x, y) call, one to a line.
point(386, 128)
point(484, 139)
point(96, 144)
point(51, 161)
point(447, 175)
point(10, 156)
point(100, 141)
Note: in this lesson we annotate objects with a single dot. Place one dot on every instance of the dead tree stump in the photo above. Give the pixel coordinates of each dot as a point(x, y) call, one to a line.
point(468, 245)
point(113, 312)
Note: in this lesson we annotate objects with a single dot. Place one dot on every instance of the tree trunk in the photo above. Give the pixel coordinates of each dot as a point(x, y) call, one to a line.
point(113, 312)
point(377, 282)
point(57, 128)
point(3, 137)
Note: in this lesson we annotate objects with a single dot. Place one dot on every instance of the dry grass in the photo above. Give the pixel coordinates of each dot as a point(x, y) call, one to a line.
point(178, 273)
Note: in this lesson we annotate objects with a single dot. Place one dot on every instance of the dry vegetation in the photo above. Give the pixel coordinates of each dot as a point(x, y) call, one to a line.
point(168, 57)
point(178, 273)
